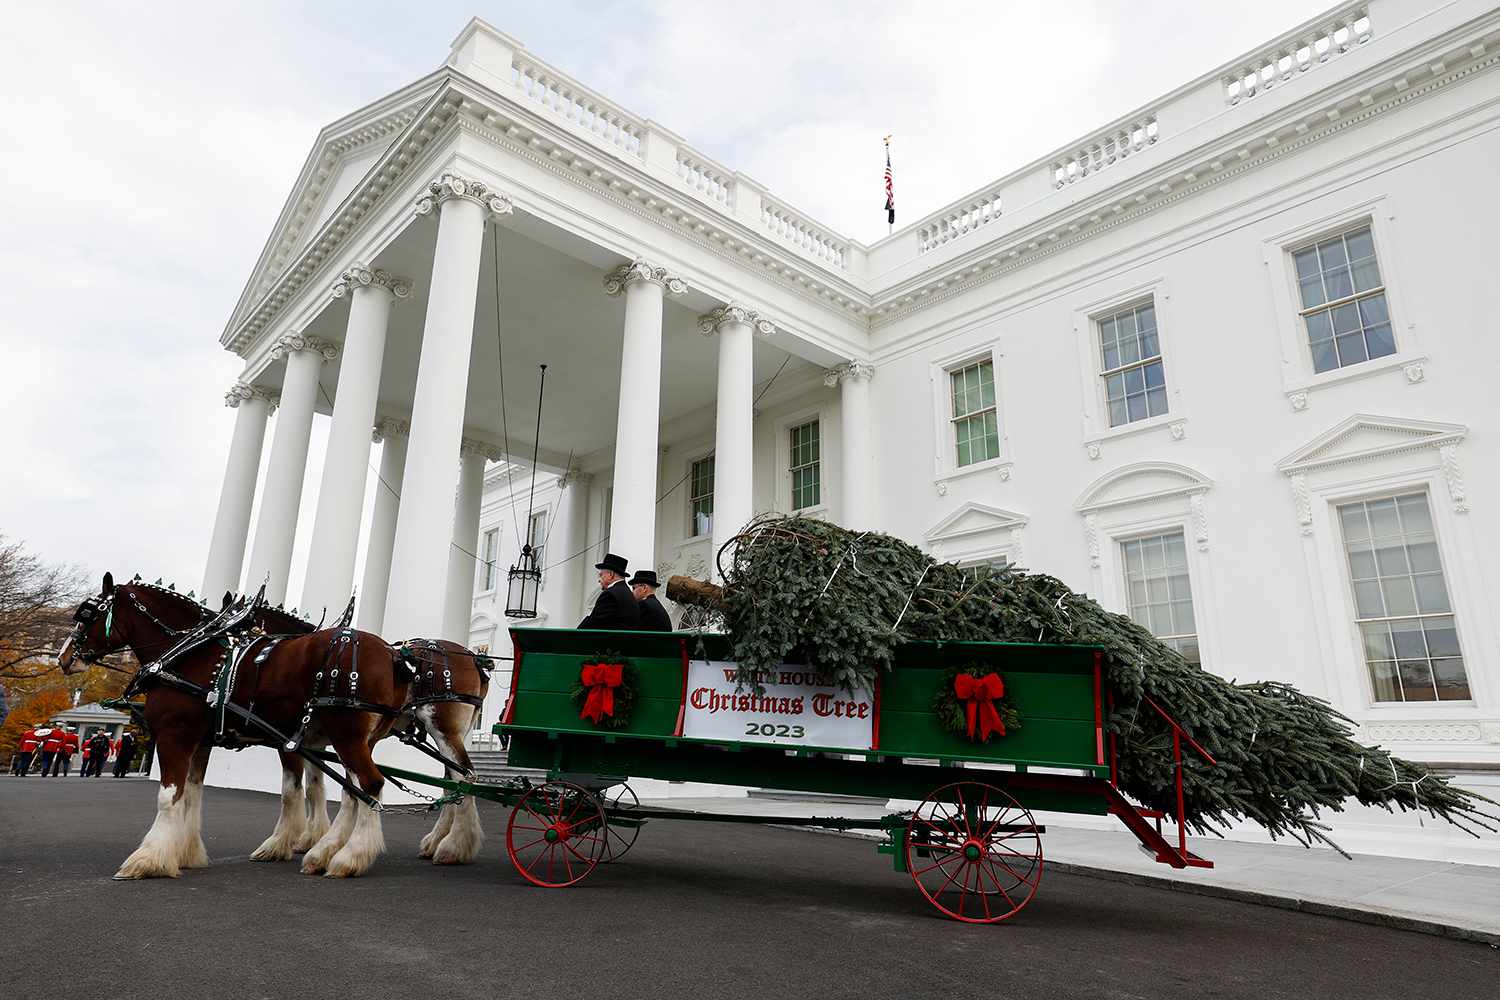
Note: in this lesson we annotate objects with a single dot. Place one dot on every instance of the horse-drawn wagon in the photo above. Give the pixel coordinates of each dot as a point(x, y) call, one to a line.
point(978, 735)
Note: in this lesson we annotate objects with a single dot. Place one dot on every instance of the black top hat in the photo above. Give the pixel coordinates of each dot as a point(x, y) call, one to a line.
point(645, 576)
point(615, 564)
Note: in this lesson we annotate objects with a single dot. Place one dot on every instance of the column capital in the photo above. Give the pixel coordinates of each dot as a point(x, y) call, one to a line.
point(733, 312)
point(574, 477)
point(389, 427)
point(360, 275)
point(294, 342)
point(639, 269)
point(241, 391)
point(450, 186)
point(470, 446)
point(861, 371)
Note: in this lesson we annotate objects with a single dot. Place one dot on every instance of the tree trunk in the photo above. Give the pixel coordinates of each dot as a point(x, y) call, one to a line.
point(699, 593)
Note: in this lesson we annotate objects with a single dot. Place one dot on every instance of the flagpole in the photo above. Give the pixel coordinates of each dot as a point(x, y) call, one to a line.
point(890, 218)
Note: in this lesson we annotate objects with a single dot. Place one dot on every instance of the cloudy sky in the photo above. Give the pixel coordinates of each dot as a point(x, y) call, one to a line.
point(150, 146)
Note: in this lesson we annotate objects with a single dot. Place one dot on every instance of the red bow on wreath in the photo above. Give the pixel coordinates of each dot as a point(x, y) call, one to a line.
point(601, 679)
point(978, 695)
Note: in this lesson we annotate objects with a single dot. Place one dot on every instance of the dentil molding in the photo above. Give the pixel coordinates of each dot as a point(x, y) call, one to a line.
point(451, 186)
point(733, 312)
point(294, 342)
point(241, 391)
point(362, 276)
point(640, 269)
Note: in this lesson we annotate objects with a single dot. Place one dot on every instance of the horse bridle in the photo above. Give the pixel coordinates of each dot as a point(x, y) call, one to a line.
point(90, 609)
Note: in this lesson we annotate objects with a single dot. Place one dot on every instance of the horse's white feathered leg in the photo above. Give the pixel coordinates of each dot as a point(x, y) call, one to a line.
point(291, 825)
point(160, 850)
point(317, 808)
point(365, 844)
point(333, 841)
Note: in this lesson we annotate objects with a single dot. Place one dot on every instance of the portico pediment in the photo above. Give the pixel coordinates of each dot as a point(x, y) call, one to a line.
point(1364, 437)
point(1142, 481)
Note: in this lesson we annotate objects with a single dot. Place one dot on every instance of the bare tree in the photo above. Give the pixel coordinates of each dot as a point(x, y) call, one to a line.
point(36, 607)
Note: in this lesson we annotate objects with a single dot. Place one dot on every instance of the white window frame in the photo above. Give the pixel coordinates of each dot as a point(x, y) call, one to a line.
point(1299, 382)
point(783, 458)
point(690, 531)
point(1169, 426)
point(945, 450)
point(541, 513)
point(489, 562)
point(1150, 498)
point(1318, 486)
point(1119, 541)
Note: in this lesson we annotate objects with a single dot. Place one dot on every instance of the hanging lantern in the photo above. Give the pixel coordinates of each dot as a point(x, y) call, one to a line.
point(525, 585)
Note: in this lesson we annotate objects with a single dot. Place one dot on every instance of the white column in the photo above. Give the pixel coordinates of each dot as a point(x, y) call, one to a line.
point(857, 484)
point(341, 497)
point(633, 512)
point(562, 582)
point(458, 599)
point(734, 420)
point(226, 552)
point(419, 559)
point(377, 577)
point(271, 556)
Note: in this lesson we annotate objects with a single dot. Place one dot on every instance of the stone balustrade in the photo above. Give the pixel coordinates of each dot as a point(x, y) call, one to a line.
point(1296, 54)
point(702, 175)
point(1104, 149)
point(570, 100)
point(957, 219)
point(802, 233)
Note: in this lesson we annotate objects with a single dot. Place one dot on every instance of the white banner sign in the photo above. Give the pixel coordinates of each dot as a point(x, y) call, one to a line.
point(792, 709)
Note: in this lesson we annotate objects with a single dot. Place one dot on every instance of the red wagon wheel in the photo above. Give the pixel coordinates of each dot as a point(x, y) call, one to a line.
point(974, 852)
point(556, 835)
point(620, 802)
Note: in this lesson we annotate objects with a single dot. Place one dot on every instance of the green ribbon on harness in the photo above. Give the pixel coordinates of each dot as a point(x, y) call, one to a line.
point(109, 619)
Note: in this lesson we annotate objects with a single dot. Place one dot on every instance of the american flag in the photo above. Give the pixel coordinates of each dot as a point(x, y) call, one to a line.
point(890, 192)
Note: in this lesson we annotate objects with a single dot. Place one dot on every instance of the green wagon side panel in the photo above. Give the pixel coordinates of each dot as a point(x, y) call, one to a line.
point(1052, 686)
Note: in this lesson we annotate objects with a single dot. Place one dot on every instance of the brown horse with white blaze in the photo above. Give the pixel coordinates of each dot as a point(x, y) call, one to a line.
point(275, 678)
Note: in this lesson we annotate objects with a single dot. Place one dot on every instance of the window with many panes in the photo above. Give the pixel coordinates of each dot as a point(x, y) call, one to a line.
point(536, 536)
point(1343, 300)
point(1158, 592)
point(1401, 605)
point(976, 424)
point(487, 551)
point(1135, 384)
point(701, 497)
point(806, 465)
point(979, 568)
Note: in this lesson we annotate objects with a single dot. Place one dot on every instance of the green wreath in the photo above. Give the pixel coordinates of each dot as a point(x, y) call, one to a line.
point(983, 711)
point(605, 690)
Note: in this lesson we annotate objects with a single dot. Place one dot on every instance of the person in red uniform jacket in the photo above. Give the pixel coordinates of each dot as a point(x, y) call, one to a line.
point(52, 741)
point(69, 748)
point(29, 743)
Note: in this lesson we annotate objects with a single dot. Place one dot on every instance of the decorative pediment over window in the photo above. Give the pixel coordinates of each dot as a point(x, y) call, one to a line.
point(977, 529)
point(1142, 481)
point(1363, 438)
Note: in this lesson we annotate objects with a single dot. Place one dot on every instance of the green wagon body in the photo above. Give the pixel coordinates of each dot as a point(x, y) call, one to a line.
point(1055, 688)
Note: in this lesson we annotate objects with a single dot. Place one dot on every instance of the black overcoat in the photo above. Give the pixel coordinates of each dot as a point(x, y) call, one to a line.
point(654, 617)
point(615, 608)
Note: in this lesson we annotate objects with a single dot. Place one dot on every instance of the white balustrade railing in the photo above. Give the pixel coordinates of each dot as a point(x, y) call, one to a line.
point(957, 219)
point(700, 174)
point(607, 122)
point(800, 232)
point(1296, 55)
point(1104, 150)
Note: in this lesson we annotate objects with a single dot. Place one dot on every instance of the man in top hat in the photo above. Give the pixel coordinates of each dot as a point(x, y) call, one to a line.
point(616, 607)
point(654, 617)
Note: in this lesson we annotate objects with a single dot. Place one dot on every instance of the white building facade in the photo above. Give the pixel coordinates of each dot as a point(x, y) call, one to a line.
point(1222, 364)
